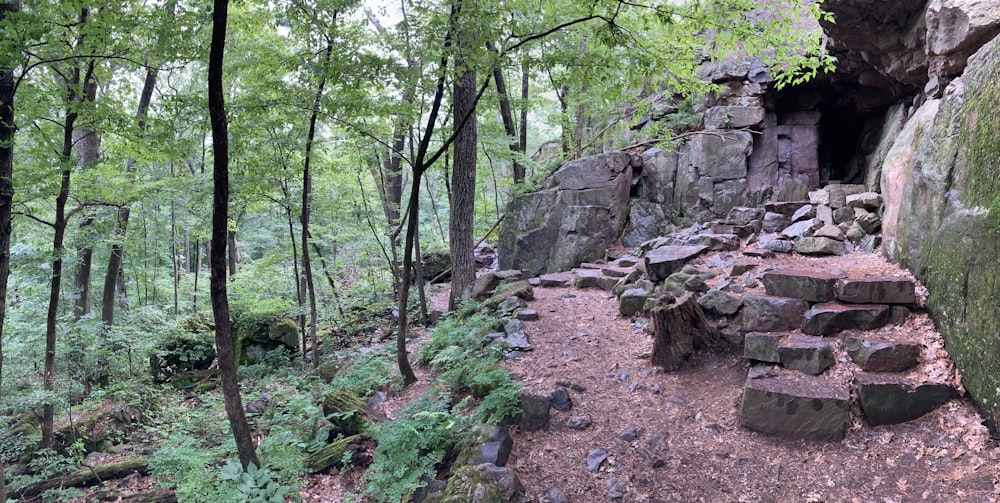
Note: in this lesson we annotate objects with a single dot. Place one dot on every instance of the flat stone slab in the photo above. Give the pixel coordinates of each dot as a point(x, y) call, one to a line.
point(720, 303)
point(556, 279)
point(892, 399)
point(632, 301)
point(876, 355)
point(716, 242)
point(762, 346)
point(832, 317)
point(806, 285)
point(666, 260)
point(787, 208)
point(877, 290)
point(795, 406)
point(820, 246)
point(805, 353)
point(586, 278)
point(765, 313)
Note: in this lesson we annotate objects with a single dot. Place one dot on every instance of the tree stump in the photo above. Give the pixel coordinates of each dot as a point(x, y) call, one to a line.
point(680, 327)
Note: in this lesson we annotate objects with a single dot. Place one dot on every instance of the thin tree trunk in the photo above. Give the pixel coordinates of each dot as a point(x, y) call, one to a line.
point(234, 250)
point(197, 272)
point(220, 213)
point(88, 146)
point(463, 183)
point(174, 265)
point(329, 278)
point(306, 193)
point(418, 270)
point(6, 197)
point(506, 116)
point(59, 233)
point(523, 137)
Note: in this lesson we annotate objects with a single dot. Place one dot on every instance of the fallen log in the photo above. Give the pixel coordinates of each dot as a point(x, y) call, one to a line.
point(680, 327)
point(86, 477)
point(332, 454)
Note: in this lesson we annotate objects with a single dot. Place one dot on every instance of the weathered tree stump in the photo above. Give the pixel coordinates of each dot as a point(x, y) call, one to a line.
point(680, 327)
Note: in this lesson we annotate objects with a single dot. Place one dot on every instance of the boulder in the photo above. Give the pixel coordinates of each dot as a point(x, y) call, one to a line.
point(715, 242)
point(742, 215)
point(867, 200)
point(556, 279)
point(776, 245)
point(666, 260)
point(807, 211)
point(659, 168)
point(876, 290)
point(801, 228)
point(795, 406)
point(892, 399)
point(719, 303)
point(805, 353)
point(876, 355)
point(775, 222)
point(646, 221)
point(484, 483)
point(820, 246)
point(762, 346)
point(585, 278)
point(734, 117)
point(829, 231)
point(486, 443)
point(831, 317)
point(764, 313)
point(579, 214)
point(812, 286)
point(632, 301)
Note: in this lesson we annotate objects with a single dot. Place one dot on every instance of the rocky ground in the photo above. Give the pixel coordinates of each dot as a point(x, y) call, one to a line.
point(636, 433)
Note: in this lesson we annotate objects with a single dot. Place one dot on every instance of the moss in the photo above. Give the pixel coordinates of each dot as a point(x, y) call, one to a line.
point(979, 138)
point(963, 276)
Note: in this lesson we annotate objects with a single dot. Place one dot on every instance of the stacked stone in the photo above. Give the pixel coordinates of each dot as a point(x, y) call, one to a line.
point(834, 220)
point(793, 326)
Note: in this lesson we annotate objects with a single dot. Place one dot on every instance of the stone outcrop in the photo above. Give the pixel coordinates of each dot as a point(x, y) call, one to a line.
point(579, 215)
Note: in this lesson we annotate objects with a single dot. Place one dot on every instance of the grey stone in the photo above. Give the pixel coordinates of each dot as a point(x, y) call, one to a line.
point(776, 245)
point(843, 214)
point(829, 231)
point(647, 220)
point(898, 314)
point(578, 422)
point(805, 353)
point(891, 399)
point(795, 406)
point(664, 261)
point(740, 268)
point(483, 483)
point(831, 317)
point(801, 228)
point(869, 222)
point(580, 213)
point(775, 222)
point(820, 246)
point(855, 233)
point(866, 200)
point(695, 284)
point(742, 215)
point(556, 279)
point(805, 212)
point(534, 412)
point(557, 496)
point(632, 301)
point(527, 315)
point(734, 117)
point(721, 156)
point(806, 285)
point(716, 242)
point(616, 489)
point(629, 434)
point(560, 400)
point(820, 197)
point(877, 290)
point(659, 168)
point(764, 313)
point(762, 346)
point(595, 458)
point(874, 355)
point(486, 443)
point(825, 214)
point(719, 303)
point(586, 278)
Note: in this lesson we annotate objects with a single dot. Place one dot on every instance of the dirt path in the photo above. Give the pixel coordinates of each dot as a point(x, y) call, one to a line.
point(688, 445)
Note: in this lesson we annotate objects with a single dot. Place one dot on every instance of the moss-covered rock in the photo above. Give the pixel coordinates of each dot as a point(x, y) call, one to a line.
point(485, 483)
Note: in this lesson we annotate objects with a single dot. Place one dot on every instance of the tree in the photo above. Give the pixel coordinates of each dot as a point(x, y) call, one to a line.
point(220, 231)
point(463, 179)
point(7, 129)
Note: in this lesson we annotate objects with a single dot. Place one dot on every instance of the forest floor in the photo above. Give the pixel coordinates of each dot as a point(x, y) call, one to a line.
point(676, 436)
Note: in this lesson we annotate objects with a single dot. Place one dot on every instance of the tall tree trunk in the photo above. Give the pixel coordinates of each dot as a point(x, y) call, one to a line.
point(220, 219)
point(88, 146)
point(522, 146)
point(234, 250)
point(112, 283)
point(6, 197)
point(507, 117)
point(59, 232)
point(306, 193)
point(463, 183)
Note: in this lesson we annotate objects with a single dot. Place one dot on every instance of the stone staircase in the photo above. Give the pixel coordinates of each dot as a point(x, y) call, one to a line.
point(810, 320)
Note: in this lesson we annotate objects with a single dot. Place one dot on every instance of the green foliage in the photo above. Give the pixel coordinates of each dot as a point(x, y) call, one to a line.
point(255, 485)
point(368, 370)
point(412, 447)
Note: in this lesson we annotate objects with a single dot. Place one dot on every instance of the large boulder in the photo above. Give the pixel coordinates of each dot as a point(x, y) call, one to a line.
point(941, 221)
point(579, 215)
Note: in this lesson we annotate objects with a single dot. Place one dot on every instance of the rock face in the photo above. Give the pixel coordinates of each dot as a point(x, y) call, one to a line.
point(794, 406)
point(575, 218)
point(939, 220)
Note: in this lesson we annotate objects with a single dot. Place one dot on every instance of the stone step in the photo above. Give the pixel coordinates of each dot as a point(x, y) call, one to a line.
point(766, 313)
point(879, 354)
point(832, 317)
point(876, 290)
point(813, 286)
point(592, 278)
point(805, 353)
point(666, 260)
point(795, 406)
point(556, 279)
point(893, 398)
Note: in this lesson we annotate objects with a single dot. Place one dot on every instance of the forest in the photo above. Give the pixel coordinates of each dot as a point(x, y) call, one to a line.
point(210, 211)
